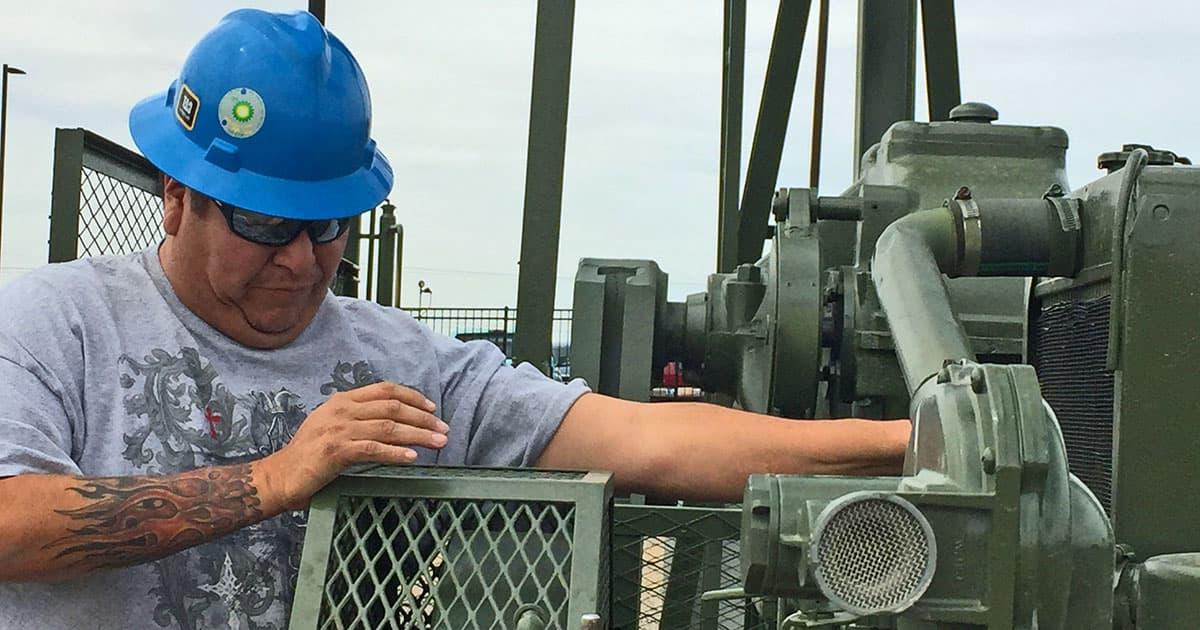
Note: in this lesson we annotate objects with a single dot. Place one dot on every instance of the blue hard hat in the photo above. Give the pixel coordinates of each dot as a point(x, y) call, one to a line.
point(270, 113)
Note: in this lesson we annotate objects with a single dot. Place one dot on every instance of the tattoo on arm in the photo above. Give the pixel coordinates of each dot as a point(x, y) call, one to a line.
point(128, 520)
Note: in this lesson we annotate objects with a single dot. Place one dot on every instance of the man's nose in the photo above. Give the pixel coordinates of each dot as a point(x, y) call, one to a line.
point(299, 256)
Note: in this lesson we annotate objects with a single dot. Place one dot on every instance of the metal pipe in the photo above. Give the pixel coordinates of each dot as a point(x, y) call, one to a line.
point(1130, 174)
point(910, 257)
point(7, 70)
point(814, 160)
point(733, 70)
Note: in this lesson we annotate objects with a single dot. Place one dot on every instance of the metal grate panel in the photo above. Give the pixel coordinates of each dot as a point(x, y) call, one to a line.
point(116, 217)
point(403, 562)
point(457, 548)
point(1070, 343)
point(664, 558)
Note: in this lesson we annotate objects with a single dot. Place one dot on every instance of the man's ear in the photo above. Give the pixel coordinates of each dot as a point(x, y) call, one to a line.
point(174, 203)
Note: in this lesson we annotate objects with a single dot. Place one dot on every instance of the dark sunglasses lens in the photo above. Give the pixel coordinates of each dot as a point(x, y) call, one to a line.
point(264, 229)
point(326, 231)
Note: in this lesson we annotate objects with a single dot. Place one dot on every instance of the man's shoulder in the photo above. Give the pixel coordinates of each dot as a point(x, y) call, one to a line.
point(69, 286)
point(374, 320)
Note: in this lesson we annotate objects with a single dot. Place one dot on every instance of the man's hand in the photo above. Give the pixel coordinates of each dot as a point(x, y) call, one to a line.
point(372, 424)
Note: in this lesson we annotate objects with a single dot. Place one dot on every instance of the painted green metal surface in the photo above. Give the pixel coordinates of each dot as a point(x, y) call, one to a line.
point(733, 70)
point(1155, 432)
point(779, 86)
point(543, 181)
point(887, 66)
point(940, 34)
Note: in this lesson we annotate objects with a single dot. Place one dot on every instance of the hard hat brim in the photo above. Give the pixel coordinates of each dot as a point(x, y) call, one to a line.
point(161, 138)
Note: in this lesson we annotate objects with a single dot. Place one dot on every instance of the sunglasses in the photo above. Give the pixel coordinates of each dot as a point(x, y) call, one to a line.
point(277, 232)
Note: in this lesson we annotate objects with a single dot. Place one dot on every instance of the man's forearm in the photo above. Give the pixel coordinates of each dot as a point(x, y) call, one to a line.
point(55, 526)
point(705, 452)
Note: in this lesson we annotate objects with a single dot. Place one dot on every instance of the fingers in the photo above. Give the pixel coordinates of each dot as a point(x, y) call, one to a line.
point(394, 411)
point(386, 390)
point(394, 433)
point(365, 451)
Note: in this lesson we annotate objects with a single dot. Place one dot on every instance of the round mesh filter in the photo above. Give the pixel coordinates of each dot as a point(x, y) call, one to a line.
point(872, 553)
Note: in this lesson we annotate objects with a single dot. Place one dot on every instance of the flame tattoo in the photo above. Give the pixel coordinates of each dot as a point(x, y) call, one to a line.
point(129, 520)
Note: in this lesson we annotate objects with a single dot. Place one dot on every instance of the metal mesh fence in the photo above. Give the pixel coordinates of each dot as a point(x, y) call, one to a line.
point(116, 217)
point(498, 325)
point(105, 200)
point(664, 558)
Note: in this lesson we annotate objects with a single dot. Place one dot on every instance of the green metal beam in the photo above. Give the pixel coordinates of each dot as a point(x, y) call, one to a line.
point(543, 181)
point(779, 86)
point(64, 194)
point(887, 50)
point(941, 57)
point(733, 71)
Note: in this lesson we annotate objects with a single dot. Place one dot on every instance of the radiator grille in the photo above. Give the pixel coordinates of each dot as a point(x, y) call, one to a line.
point(1070, 342)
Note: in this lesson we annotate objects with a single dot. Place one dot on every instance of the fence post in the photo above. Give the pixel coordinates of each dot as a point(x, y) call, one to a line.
point(507, 345)
point(64, 194)
point(387, 255)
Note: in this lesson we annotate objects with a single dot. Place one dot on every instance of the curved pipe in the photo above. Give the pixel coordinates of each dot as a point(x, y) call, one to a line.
point(910, 258)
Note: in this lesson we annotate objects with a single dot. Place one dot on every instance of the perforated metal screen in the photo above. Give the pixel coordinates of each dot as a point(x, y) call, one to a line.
point(422, 547)
point(664, 558)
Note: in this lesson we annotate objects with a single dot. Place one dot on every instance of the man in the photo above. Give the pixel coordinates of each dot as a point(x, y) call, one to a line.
point(167, 416)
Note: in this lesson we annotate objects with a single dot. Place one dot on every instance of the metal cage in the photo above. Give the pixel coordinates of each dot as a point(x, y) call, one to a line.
point(461, 548)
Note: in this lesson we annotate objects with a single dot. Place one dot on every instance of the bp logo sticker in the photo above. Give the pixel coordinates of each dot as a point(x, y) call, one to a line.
point(242, 112)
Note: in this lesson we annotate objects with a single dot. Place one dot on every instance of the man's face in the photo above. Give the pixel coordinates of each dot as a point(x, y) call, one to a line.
point(257, 295)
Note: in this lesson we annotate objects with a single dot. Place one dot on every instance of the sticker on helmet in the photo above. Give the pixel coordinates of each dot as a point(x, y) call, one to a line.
point(186, 107)
point(242, 112)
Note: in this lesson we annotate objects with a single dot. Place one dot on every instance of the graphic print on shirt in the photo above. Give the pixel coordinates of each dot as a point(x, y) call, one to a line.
point(184, 417)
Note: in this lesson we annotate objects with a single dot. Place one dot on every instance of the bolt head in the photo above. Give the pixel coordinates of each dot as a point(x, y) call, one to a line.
point(978, 381)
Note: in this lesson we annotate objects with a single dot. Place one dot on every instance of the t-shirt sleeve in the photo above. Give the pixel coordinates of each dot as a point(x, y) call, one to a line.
point(35, 431)
point(506, 414)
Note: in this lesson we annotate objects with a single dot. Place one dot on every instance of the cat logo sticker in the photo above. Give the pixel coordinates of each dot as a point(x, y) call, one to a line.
point(186, 107)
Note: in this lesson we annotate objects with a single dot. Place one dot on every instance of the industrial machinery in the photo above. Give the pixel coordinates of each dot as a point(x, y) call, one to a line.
point(1041, 341)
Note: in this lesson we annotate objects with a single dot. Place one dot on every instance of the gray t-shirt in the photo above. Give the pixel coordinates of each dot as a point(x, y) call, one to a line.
point(104, 372)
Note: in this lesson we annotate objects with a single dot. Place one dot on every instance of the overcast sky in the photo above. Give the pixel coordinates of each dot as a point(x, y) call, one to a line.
point(451, 80)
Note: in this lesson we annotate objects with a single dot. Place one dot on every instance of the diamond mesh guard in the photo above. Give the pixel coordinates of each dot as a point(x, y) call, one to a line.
point(116, 217)
point(872, 553)
point(421, 563)
point(455, 548)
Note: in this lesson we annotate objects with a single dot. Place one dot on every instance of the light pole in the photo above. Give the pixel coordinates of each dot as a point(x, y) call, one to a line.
point(422, 291)
point(3, 134)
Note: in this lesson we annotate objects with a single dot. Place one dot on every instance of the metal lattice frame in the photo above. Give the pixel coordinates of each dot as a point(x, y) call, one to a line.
point(106, 199)
point(420, 547)
point(664, 558)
